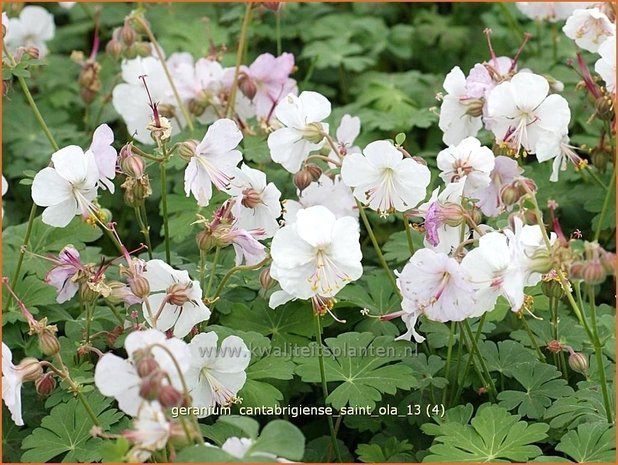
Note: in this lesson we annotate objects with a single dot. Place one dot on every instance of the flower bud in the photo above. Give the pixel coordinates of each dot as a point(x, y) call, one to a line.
point(178, 434)
point(114, 48)
point(30, 369)
point(142, 49)
point(45, 385)
point(178, 294)
point(552, 288)
point(554, 346)
point(541, 261)
point(451, 214)
point(302, 179)
point(578, 362)
point(604, 106)
point(170, 396)
point(127, 34)
point(476, 216)
point(247, 86)
point(147, 366)
point(186, 150)
point(133, 166)
point(474, 107)
point(139, 286)
point(266, 281)
point(593, 272)
point(313, 133)
point(205, 241)
point(555, 85)
point(608, 260)
point(251, 198)
point(48, 342)
point(151, 385)
point(525, 185)
point(509, 194)
point(576, 271)
point(600, 158)
point(314, 170)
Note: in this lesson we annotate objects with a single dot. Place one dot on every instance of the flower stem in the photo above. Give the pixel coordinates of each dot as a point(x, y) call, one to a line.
point(331, 426)
point(480, 358)
point(406, 225)
point(239, 53)
point(166, 70)
point(140, 214)
point(229, 274)
point(37, 114)
point(598, 351)
point(376, 246)
point(166, 228)
point(215, 262)
point(278, 31)
point(608, 194)
point(537, 349)
point(203, 257)
point(596, 179)
point(449, 352)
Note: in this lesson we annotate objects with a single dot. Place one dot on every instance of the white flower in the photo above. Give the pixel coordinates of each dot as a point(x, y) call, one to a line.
point(606, 65)
point(521, 111)
point(130, 98)
point(151, 431)
point(34, 26)
point(303, 131)
point(557, 147)
point(118, 378)
point(492, 272)
point(505, 171)
point(105, 156)
point(443, 218)
point(214, 161)
point(383, 179)
point(468, 160)
point(11, 385)
point(347, 132)
point(175, 300)
point(217, 373)
point(529, 249)
point(455, 119)
point(246, 246)
point(67, 5)
point(551, 11)
point(433, 285)
point(331, 193)
point(589, 28)
point(68, 188)
point(257, 203)
point(317, 255)
point(5, 188)
point(240, 447)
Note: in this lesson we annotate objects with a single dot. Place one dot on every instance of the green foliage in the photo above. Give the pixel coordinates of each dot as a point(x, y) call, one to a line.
point(492, 435)
point(590, 442)
point(367, 366)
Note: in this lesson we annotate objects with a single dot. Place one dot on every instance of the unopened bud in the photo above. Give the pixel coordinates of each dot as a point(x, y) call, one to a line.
point(554, 84)
point(30, 369)
point(578, 362)
point(48, 342)
point(32, 52)
point(540, 261)
point(133, 166)
point(205, 241)
point(552, 288)
point(525, 185)
point(604, 106)
point(127, 34)
point(114, 48)
point(555, 346)
point(178, 434)
point(608, 260)
point(593, 272)
point(266, 281)
point(170, 396)
point(139, 286)
point(178, 294)
point(251, 198)
point(186, 150)
point(302, 179)
point(314, 170)
point(150, 386)
point(474, 107)
point(600, 158)
point(147, 366)
point(451, 214)
point(45, 385)
point(247, 86)
point(476, 216)
point(313, 133)
point(509, 194)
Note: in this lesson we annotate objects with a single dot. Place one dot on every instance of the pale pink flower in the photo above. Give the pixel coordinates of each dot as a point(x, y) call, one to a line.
point(505, 171)
point(105, 156)
point(62, 275)
point(550, 11)
point(467, 160)
point(589, 28)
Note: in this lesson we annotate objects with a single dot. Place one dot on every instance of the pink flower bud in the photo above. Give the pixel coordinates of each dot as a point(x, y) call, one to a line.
point(578, 362)
point(30, 369)
point(45, 385)
point(170, 396)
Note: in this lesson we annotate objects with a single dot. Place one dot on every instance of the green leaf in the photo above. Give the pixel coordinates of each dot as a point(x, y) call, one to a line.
point(506, 357)
point(542, 382)
point(426, 369)
point(492, 435)
point(367, 367)
point(204, 454)
point(591, 442)
point(280, 438)
point(584, 406)
point(392, 450)
point(373, 292)
point(114, 451)
point(65, 432)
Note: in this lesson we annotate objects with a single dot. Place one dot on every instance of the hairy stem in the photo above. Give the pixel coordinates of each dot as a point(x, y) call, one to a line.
point(166, 228)
point(239, 53)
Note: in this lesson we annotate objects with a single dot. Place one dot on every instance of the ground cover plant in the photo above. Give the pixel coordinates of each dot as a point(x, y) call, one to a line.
point(314, 232)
